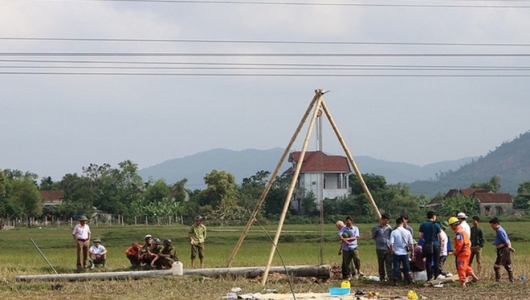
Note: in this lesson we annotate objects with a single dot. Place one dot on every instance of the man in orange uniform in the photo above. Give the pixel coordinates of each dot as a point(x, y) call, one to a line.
point(462, 252)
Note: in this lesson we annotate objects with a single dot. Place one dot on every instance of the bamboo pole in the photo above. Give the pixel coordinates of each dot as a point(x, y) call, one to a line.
point(318, 93)
point(271, 181)
point(352, 161)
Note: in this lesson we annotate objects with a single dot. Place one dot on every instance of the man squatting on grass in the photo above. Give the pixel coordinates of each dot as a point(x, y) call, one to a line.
point(504, 248)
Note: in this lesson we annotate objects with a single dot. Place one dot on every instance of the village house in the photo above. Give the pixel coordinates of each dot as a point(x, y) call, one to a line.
point(490, 202)
point(52, 198)
point(326, 176)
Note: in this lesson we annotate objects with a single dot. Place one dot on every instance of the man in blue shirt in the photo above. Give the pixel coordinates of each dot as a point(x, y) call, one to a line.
point(348, 235)
point(429, 233)
point(504, 248)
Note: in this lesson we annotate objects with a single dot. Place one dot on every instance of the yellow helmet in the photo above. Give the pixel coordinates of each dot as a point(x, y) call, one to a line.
point(452, 220)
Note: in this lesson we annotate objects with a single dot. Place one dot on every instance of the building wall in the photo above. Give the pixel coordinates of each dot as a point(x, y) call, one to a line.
point(335, 185)
point(496, 209)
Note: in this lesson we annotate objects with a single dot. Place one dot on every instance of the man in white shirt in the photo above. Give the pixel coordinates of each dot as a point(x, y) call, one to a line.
point(462, 219)
point(81, 236)
point(98, 254)
point(400, 238)
point(443, 247)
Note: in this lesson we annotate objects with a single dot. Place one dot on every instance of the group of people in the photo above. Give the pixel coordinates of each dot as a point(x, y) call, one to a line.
point(399, 255)
point(152, 254)
point(159, 255)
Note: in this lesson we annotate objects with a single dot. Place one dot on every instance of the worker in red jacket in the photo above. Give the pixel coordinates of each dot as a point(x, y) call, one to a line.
point(462, 252)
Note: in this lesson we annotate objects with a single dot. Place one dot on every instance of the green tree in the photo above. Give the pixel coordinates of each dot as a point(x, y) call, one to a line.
point(47, 184)
point(275, 199)
point(27, 196)
point(494, 184)
point(79, 195)
point(522, 200)
point(452, 206)
point(220, 185)
point(251, 189)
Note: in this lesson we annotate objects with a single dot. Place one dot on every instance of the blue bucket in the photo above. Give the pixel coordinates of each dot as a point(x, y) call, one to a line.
point(335, 291)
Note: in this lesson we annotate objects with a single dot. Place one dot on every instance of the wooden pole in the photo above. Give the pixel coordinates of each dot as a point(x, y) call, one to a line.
point(271, 181)
point(318, 94)
point(352, 161)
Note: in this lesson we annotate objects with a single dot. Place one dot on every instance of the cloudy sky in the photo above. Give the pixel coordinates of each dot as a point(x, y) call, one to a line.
point(104, 81)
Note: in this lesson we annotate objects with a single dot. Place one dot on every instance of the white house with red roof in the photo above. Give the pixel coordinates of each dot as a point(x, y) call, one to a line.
point(331, 170)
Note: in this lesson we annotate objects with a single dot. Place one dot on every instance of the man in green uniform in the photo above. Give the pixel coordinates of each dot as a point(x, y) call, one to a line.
point(166, 257)
point(197, 235)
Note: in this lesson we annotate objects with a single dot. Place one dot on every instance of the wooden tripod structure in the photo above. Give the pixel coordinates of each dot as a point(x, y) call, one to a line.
point(316, 105)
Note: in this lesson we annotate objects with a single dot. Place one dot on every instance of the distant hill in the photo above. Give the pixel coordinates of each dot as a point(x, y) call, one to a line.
point(510, 161)
point(246, 163)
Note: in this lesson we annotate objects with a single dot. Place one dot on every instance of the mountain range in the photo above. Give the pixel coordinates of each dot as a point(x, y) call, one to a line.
point(246, 163)
point(510, 161)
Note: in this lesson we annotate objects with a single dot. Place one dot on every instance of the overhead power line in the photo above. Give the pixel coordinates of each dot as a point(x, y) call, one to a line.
point(59, 39)
point(263, 75)
point(442, 4)
point(247, 64)
point(226, 54)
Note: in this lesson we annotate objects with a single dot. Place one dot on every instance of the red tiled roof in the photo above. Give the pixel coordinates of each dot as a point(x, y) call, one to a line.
point(317, 161)
point(52, 195)
point(451, 193)
point(471, 192)
point(494, 198)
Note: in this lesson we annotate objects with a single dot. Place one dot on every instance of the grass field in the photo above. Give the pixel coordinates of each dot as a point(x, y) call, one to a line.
point(299, 245)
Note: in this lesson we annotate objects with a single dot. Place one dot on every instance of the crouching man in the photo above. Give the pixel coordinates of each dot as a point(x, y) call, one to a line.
point(166, 257)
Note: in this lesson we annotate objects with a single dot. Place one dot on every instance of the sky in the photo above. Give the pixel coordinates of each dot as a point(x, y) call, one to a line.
point(409, 81)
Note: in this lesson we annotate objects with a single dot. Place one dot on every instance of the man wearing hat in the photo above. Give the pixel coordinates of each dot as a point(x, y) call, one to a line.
point(197, 235)
point(462, 252)
point(166, 257)
point(144, 257)
point(381, 234)
point(462, 219)
point(81, 236)
point(98, 254)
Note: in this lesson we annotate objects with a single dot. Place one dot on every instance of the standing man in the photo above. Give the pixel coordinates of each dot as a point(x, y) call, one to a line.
point(462, 219)
point(405, 218)
point(400, 238)
point(81, 236)
point(429, 233)
point(504, 249)
point(477, 243)
point(381, 235)
point(462, 252)
point(197, 235)
point(444, 241)
point(349, 235)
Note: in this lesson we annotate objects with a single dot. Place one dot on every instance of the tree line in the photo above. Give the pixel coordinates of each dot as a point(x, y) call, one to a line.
point(122, 192)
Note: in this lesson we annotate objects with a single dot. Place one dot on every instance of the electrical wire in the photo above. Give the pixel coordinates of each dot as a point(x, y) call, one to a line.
point(58, 39)
point(233, 54)
point(329, 4)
